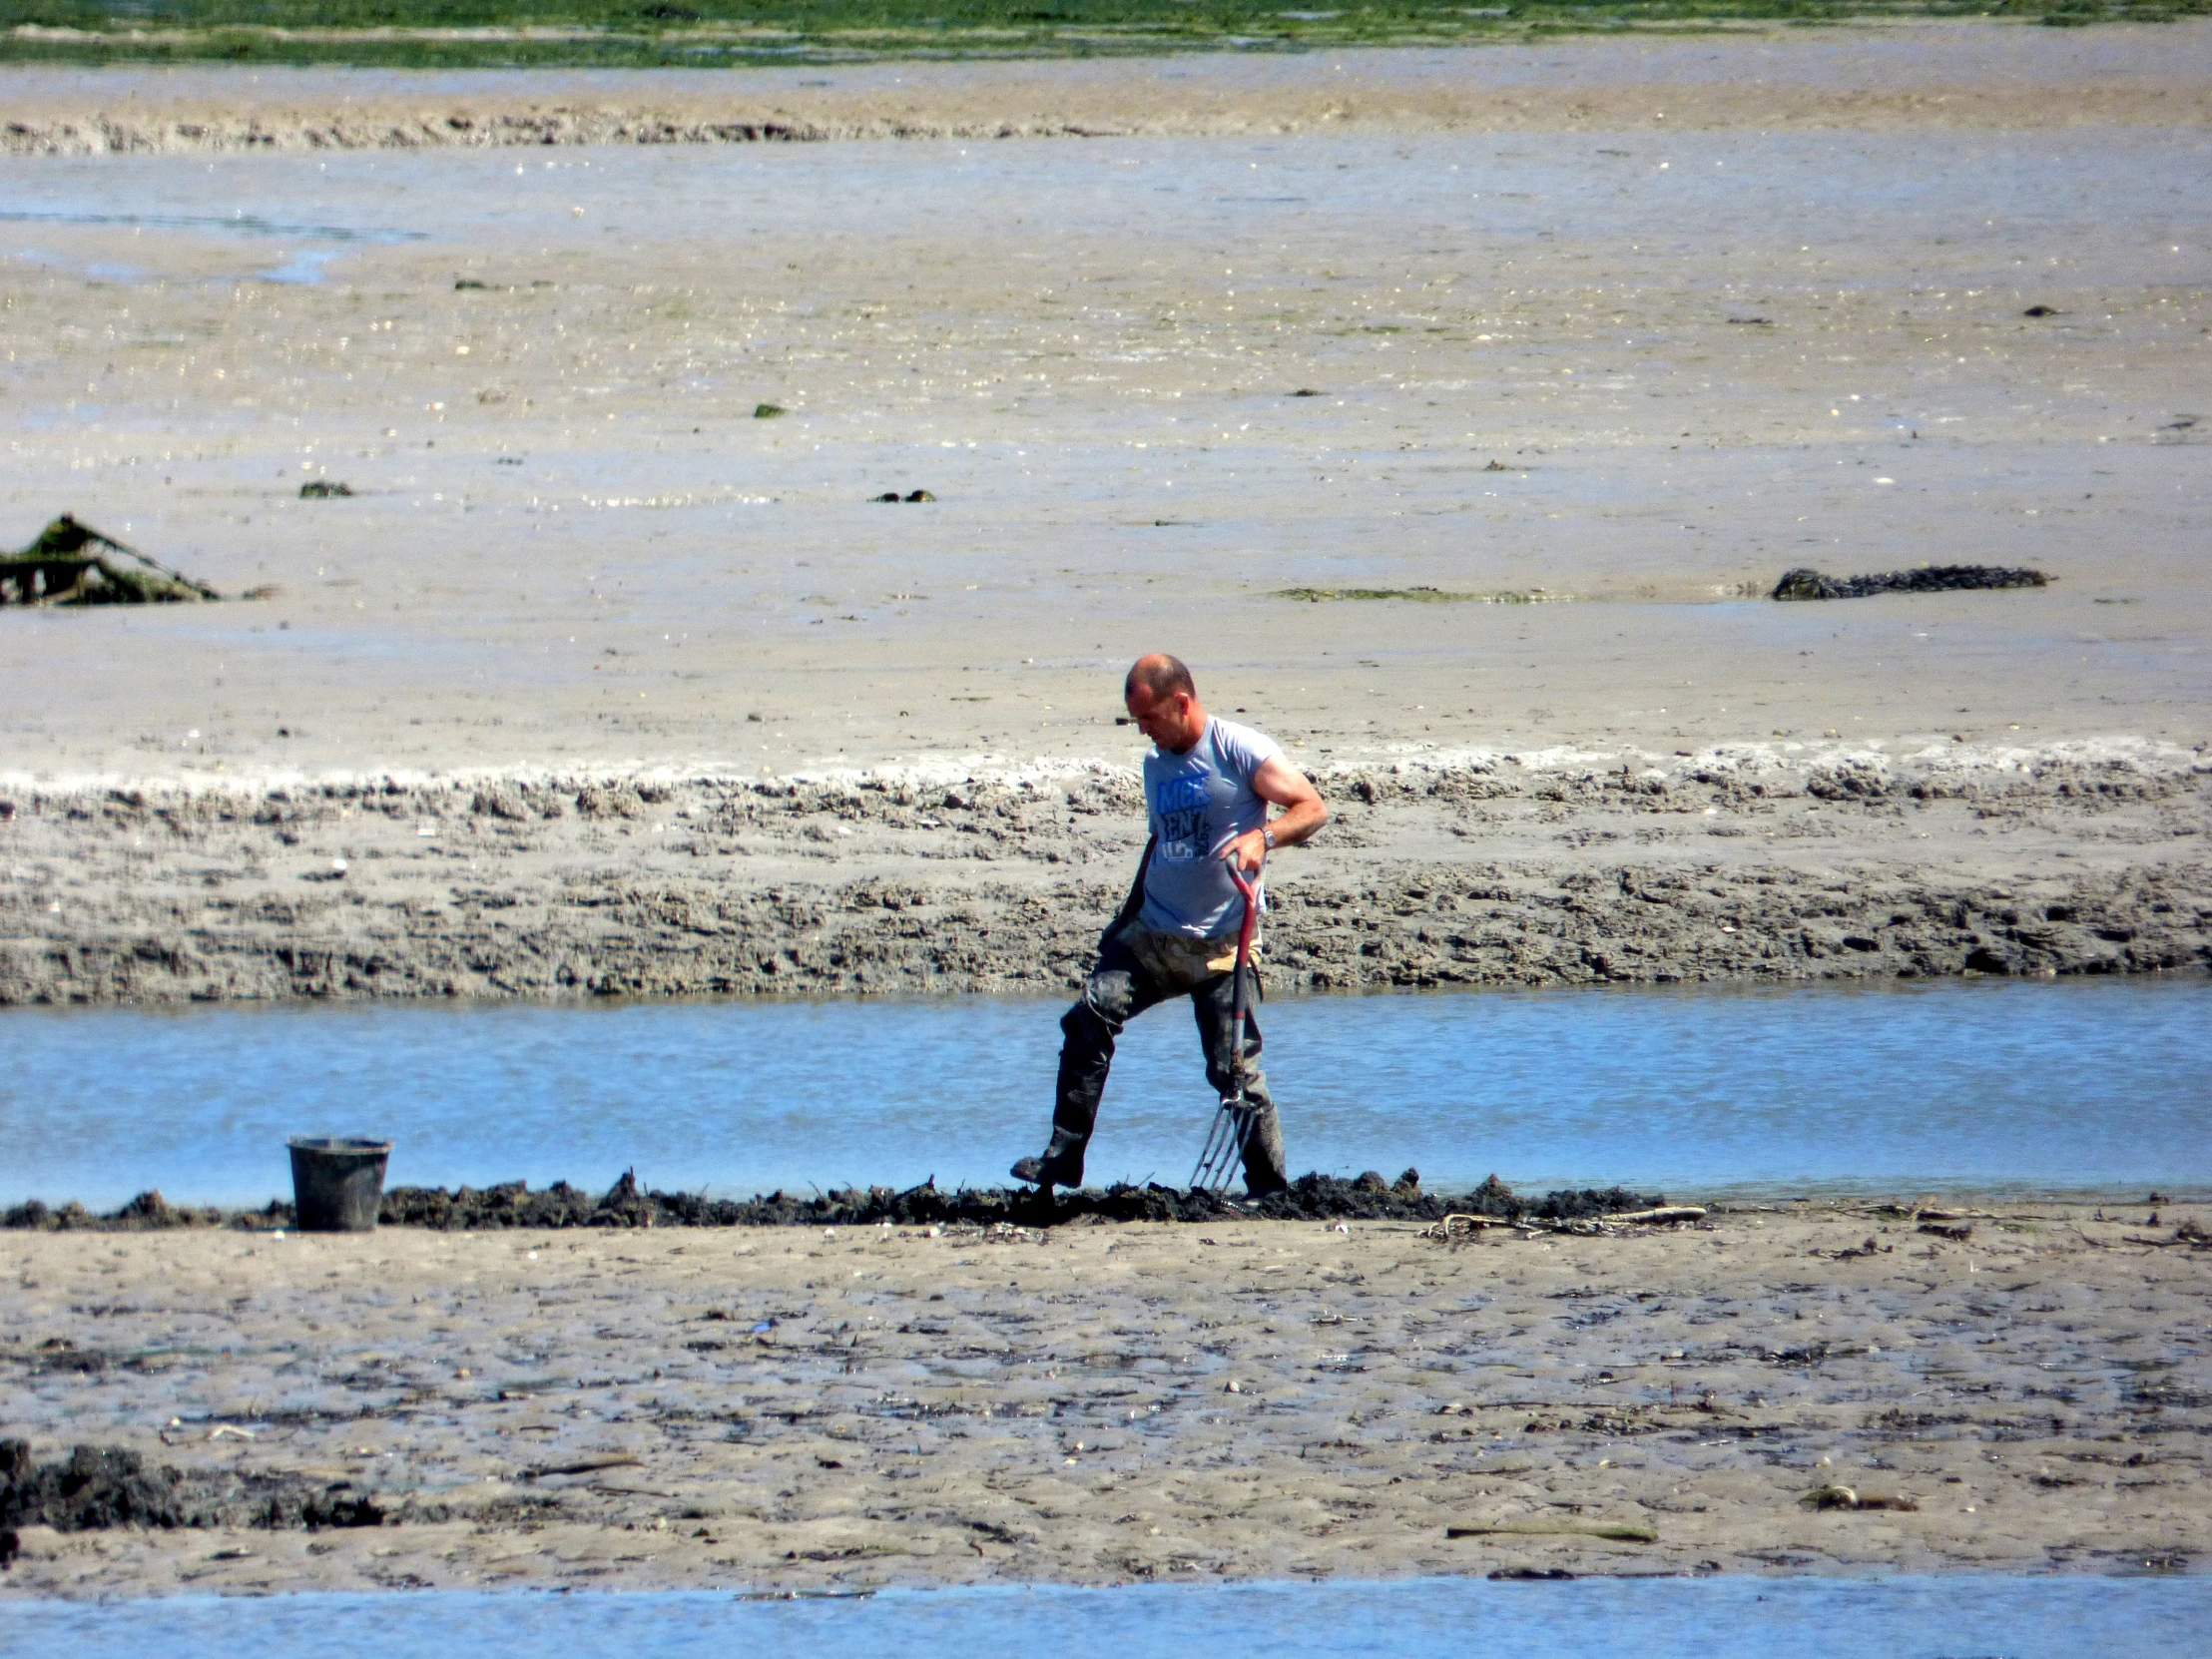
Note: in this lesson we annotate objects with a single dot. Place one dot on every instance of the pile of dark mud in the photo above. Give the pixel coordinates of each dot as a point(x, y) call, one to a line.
point(1807, 583)
point(1312, 1197)
point(95, 1487)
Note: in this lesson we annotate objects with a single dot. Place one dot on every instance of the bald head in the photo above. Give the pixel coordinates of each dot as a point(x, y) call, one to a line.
point(1158, 676)
point(1163, 702)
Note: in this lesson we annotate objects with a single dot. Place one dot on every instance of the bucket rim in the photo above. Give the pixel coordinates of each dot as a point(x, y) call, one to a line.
point(340, 1145)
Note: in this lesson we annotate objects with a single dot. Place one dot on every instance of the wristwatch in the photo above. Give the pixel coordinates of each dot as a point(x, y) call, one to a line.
point(1268, 837)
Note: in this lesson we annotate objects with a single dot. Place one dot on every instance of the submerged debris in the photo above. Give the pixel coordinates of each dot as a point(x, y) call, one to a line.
point(326, 490)
point(70, 564)
point(1807, 583)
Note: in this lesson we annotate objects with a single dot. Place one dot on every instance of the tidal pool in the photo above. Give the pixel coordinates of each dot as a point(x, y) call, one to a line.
point(2076, 1087)
point(1721, 1618)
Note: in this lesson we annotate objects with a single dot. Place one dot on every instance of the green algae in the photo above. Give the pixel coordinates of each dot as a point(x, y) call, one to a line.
point(711, 33)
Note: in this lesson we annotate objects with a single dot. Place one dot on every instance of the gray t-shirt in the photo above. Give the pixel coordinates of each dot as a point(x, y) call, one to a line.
point(1197, 803)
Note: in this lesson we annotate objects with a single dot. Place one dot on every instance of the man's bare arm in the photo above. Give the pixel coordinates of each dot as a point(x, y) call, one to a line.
point(1304, 811)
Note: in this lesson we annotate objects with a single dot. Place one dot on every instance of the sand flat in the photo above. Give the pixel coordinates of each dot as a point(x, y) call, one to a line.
point(607, 1410)
point(1642, 365)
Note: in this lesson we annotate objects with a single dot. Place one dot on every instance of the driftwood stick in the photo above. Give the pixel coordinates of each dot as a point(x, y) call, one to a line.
point(1624, 1532)
point(1442, 1229)
point(584, 1465)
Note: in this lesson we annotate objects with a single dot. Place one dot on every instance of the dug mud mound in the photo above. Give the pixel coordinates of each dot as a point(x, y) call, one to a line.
point(91, 1487)
point(146, 1213)
point(1312, 1197)
point(95, 1488)
point(1807, 583)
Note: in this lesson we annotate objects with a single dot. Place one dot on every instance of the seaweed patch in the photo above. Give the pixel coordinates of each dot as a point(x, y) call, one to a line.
point(69, 563)
point(1807, 583)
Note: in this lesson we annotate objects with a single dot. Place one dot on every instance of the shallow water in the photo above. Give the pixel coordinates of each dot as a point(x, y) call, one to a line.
point(1726, 1618)
point(2080, 1087)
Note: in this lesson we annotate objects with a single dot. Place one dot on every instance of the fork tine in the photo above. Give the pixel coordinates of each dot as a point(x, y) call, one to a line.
point(1209, 1171)
point(1223, 1154)
point(1202, 1174)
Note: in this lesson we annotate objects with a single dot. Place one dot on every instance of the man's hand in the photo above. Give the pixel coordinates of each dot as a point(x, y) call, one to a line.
point(1304, 811)
point(1246, 852)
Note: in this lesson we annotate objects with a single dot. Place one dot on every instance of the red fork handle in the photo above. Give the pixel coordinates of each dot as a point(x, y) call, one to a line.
point(1240, 1007)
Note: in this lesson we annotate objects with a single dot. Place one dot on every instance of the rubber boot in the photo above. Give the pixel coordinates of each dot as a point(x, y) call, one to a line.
point(1264, 1168)
point(1060, 1165)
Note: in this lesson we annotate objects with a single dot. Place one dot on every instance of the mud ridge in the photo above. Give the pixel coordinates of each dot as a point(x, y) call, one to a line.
point(1462, 870)
point(1027, 105)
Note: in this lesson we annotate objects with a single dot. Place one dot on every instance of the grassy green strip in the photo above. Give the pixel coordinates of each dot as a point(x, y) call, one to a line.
point(706, 33)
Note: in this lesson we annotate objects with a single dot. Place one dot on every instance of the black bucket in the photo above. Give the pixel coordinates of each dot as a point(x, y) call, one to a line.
point(336, 1183)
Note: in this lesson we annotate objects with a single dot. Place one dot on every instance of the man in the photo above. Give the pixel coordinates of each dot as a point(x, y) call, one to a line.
point(1208, 785)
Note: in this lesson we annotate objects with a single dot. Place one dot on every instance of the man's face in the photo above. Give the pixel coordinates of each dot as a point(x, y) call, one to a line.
point(1165, 719)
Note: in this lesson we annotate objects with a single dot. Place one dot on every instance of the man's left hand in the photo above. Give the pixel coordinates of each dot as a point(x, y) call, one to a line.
point(1247, 852)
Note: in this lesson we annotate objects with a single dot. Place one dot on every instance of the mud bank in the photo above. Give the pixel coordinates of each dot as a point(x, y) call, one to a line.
point(1748, 865)
point(866, 1406)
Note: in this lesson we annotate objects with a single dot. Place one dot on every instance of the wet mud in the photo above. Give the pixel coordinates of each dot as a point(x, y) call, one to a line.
point(866, 1406)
